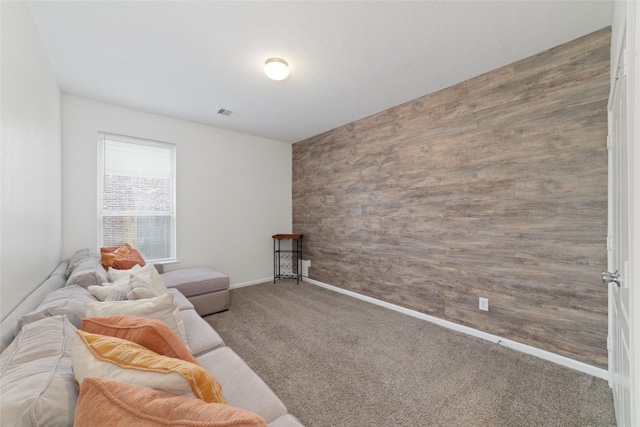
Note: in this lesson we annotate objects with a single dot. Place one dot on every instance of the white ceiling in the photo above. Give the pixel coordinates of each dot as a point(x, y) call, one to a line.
point(348, 59)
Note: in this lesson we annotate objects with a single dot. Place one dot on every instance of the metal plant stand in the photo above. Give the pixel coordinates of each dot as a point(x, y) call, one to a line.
point(286, 262)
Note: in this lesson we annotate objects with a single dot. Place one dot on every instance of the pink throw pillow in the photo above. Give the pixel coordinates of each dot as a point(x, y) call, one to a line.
point(105, 403)
point(150, 333)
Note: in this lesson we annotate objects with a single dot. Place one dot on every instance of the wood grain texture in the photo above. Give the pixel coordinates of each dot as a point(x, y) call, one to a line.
point(495, 187)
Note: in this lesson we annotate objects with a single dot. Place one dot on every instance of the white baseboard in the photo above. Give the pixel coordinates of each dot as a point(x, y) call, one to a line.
point(524, 348)
point(253, 282)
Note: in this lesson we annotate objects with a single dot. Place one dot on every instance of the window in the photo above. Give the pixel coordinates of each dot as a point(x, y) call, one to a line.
point(136, 195)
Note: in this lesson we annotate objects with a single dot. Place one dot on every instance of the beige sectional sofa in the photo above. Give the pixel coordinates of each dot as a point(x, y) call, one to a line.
point(31, 396)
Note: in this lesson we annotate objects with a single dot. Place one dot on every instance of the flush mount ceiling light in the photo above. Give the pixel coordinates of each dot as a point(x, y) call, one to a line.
point(276, 68)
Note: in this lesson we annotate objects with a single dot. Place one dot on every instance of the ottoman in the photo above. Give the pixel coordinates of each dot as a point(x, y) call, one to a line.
point(206, 288)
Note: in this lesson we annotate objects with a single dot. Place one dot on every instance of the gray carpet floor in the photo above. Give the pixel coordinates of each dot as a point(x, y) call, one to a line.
point(335, 360)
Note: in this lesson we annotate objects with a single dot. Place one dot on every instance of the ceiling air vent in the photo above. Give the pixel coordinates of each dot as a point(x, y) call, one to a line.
point(225, 112)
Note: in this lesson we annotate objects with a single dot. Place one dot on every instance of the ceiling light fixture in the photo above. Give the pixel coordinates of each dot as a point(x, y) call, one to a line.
point(276, 68)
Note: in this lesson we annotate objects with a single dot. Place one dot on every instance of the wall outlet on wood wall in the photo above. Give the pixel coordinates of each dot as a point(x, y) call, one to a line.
point(483, 304)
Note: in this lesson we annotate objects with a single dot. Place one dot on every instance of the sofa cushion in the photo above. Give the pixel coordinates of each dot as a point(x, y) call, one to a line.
point(181, 300)
point(287, 420)
point(79, 256)
point(38, 386)
point(162, 308)
point(73, 309)
point(242, 387)
point(88, 272)
point(68, 293)
point(9, 324)
point(206, 288)
point(132, 405)
point(150, 333)
point(125, 361)
point(201, 336)
point(196, 280)
point(67, 301)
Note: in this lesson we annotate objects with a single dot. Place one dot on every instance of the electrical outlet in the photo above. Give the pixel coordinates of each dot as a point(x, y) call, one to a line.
point(483, 304)
point(305, 264)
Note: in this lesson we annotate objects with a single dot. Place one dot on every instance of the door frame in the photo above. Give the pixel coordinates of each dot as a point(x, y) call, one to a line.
point(626, 23)
point(633, 42)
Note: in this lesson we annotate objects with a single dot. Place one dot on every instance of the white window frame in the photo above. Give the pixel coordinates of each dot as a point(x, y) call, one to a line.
point(102, 213)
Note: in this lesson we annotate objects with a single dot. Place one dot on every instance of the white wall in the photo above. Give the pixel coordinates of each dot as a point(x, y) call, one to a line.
point(233, 189)
point(30, 197)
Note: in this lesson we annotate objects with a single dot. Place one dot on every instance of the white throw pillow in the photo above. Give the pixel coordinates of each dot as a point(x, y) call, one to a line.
point(124, 361)
point(149, 272)
point(102, 292)
point(140, 289)
point(134, 287)
point(163, 308)
point(156, 280)
point(115, 275)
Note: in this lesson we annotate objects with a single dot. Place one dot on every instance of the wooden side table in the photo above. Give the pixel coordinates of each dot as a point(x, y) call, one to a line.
point(281, 256)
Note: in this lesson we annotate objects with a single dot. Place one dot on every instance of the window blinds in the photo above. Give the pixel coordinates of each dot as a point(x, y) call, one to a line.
point(136, 195)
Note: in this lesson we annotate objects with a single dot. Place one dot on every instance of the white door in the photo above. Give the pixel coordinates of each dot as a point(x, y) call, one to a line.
point(618, 260)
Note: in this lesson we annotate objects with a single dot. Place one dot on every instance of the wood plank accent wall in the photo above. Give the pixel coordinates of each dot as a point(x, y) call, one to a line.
point(495, 187)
